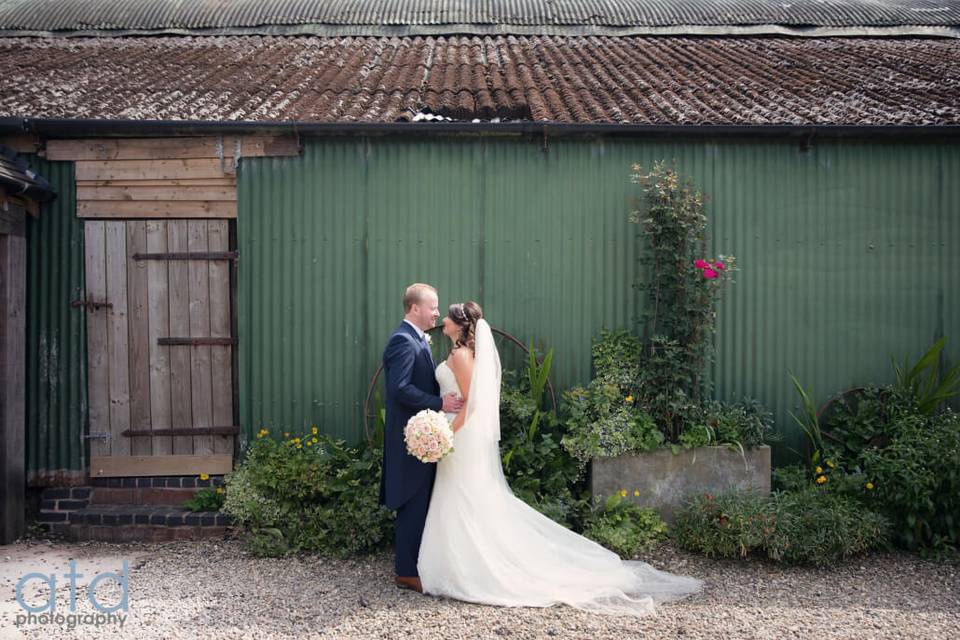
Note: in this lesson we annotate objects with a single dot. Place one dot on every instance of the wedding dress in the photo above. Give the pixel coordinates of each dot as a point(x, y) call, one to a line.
point(483, 544)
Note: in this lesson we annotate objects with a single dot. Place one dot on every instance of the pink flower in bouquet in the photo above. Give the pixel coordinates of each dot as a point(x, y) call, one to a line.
point(428, 436)
point(709, 273)
point(719, 265)
point(701, 264)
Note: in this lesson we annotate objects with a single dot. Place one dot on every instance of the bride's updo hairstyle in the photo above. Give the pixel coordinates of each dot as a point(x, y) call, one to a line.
point(466, 314)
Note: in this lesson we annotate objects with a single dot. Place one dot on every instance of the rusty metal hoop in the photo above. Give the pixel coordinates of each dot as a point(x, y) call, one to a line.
point(376, 376)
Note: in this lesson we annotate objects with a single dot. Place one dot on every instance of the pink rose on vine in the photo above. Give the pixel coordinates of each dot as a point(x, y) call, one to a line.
point(710, 271)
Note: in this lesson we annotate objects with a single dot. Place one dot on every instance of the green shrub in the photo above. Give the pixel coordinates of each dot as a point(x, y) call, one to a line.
point(205, 499)
point(623, 527)
point(866, 419)
point(916, 480)
point(308, 493)
point(746, 422)
point(818, 527)
point(806, 526)
point(628, 408)
point(601, 421)
point(730, 524)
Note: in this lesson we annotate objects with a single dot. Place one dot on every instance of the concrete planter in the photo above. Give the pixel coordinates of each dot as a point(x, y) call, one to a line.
point(665, 480)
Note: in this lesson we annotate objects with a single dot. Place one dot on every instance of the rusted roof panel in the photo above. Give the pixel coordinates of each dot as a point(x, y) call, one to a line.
point(648, 80)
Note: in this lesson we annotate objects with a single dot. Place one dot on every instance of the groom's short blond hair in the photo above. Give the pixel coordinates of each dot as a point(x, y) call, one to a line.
point(414, 294)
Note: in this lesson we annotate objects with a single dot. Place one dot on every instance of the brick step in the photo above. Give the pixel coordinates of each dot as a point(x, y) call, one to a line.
point(156, 523)
point(140, 495)
point(123, 514)
point(127, 509)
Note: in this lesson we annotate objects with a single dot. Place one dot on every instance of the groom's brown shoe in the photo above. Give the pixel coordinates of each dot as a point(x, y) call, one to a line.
point(405, 582)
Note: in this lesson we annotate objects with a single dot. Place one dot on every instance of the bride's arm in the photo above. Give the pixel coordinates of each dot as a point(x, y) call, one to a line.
point(461, 363)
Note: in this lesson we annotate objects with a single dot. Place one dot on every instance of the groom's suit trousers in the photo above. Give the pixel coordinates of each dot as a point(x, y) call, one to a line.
point(411, 518)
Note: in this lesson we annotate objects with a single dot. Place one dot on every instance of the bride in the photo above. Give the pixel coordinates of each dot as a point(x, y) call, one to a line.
point(483, 544)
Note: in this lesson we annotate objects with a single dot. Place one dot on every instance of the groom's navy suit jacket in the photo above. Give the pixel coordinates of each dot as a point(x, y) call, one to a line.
point(411, 387)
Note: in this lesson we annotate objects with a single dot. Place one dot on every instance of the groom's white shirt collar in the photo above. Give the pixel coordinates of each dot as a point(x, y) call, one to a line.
point(419, 330)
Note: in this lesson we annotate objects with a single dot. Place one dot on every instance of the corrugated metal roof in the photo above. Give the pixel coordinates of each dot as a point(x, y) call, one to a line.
point(647, 80)
point(56, 15)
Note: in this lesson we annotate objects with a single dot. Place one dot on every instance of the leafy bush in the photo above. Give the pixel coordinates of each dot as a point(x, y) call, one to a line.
point(917, 480)
point(727, 525)
point(808, 526)
point(623, 527)
point(309, 492)
point(866, 419)
point(600, 421)
point(817, 527)
point(746, 422)
point(205, 499)
point(615, 413)
point(890, 449)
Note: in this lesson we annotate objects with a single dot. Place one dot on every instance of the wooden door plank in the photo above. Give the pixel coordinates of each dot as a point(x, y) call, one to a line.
point(139, 338)
point(136, 193)
point(159, 327)
point(173, 147)
point(221, 372)
point(117, 336)
point(227, 181)
point(156, 209)
point(172, 465)
point(98, 375)
point(180, 383)
point(153, 169)
point(200, 374)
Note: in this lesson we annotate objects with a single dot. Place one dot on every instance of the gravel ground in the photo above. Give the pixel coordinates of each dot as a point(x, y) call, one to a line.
point(185, 588)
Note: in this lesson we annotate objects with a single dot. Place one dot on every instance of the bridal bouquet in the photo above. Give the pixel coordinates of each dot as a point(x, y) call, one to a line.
point(428, 436)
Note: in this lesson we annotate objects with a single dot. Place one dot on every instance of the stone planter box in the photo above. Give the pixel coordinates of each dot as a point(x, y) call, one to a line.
point(665, 480)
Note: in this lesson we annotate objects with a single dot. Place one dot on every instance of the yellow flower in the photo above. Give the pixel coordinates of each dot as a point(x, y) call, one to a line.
point(309, 442)
point(219, 489)
point(869, 485)
point(296, 441)
point(262, 433)
point(636, 493)
point(830, 464)
point(313, 431)
point(629, 398)
point(821, 479)
point(286, 434)
point(299, 446)
point(819, 469)
point(204, 476)
point(623, 493)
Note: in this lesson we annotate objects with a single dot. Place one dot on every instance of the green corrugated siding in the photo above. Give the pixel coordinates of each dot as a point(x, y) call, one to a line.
point(56, 335)
point(845, 252)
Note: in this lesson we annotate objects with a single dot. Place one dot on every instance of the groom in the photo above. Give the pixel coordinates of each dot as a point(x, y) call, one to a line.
point(406, 483)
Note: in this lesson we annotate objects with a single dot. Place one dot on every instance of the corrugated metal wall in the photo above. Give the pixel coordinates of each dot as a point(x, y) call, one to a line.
point(56, 334)
point(845, 252)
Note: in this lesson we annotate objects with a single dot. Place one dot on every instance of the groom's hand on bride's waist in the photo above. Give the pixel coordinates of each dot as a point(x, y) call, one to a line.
point(451, 403)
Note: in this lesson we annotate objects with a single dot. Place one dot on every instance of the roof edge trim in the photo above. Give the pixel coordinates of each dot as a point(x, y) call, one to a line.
point(85, 128)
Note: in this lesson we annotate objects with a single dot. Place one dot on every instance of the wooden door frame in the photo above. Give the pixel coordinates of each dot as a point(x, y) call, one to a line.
point(13, 280)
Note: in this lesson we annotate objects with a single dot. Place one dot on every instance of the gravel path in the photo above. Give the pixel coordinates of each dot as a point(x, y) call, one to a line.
point(214, 588)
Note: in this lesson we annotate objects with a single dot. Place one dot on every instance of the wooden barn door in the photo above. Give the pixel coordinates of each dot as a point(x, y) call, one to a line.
point(160, 346)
